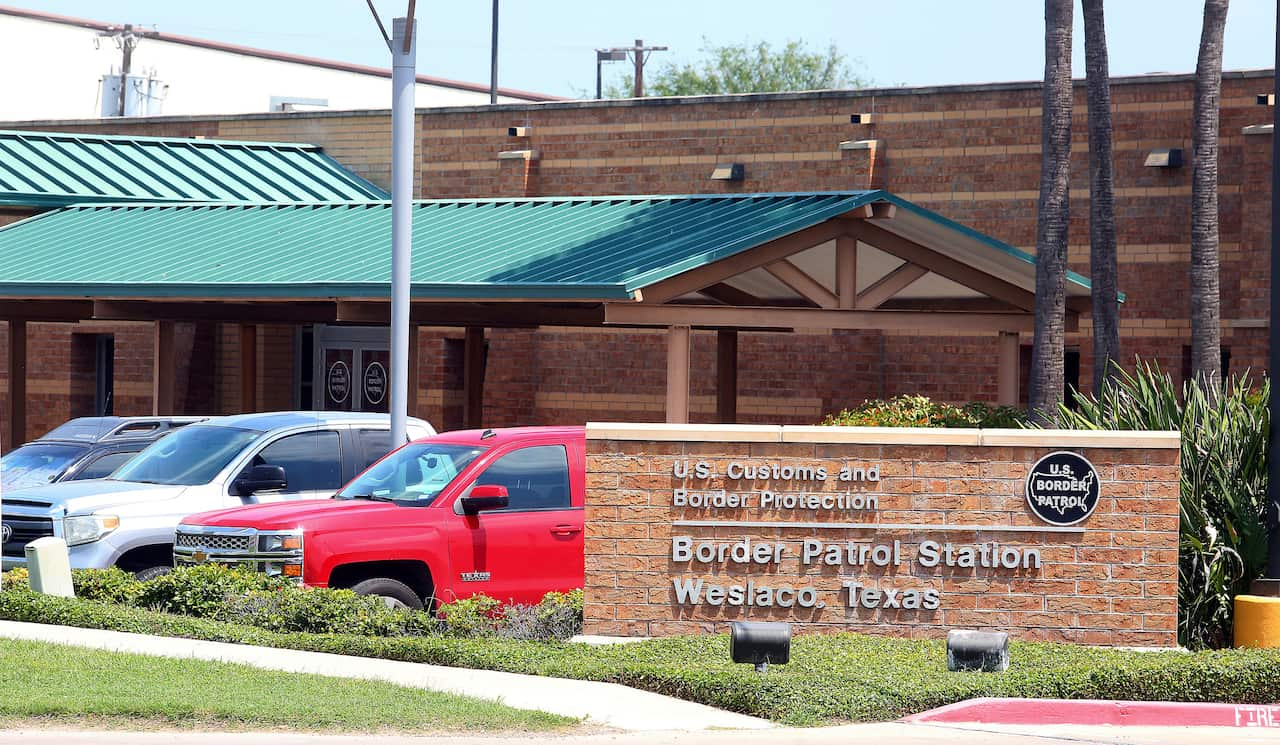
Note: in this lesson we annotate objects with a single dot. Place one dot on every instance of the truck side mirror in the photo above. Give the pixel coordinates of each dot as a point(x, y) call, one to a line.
point(261, 477)
point(485, 497)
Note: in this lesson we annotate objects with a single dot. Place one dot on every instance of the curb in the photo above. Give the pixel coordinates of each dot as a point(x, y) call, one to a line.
point(1116, 713)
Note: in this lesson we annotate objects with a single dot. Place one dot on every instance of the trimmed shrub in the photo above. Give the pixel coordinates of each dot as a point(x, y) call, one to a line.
point(921, 411)
point(112, 585)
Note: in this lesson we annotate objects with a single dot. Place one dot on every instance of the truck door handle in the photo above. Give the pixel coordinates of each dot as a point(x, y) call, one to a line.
point(565, 530)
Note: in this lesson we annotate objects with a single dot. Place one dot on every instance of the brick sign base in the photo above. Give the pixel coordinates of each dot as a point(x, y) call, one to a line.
point(885, 531)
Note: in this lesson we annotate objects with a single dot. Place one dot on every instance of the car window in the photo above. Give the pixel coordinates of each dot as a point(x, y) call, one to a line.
point(536, 478)
point(312, 461)
point(192, 455)
point(36, 464)
point(374, 443)
point(104, 465)
point(412, 475)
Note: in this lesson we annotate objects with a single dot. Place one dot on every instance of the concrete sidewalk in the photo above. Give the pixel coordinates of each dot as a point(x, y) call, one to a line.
point(603, 703)
point(887, 733)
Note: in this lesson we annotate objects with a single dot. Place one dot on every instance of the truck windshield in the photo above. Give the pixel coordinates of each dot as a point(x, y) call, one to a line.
point(36, 464)
point(412, 475)
point(192, 455)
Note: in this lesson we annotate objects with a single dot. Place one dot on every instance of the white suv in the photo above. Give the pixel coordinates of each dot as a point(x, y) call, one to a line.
point(128, 519)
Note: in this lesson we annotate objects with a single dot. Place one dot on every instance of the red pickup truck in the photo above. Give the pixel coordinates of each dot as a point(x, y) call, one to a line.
point(495, 512)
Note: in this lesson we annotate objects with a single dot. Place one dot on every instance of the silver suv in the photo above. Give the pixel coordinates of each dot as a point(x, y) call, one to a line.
point(128, 520)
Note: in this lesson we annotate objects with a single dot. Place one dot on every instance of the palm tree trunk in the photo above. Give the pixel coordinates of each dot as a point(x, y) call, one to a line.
point(1046, 379)
point(1206, 331)
point(1102, 201)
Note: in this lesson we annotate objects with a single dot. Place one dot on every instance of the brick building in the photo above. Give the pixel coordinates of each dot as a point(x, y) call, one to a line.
point(970, 153)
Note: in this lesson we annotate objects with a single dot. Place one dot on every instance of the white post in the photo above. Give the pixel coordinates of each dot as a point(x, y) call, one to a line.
point(403, 79)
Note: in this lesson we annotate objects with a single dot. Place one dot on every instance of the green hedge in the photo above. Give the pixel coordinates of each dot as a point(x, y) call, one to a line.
point(830, 678)
point(219, 593)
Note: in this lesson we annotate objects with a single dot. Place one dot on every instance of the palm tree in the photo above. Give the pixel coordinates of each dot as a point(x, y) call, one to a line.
point(1206, 332)
point(1046, 380)
point(1102, 202)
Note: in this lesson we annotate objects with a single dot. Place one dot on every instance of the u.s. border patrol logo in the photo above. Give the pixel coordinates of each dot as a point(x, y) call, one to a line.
point(1062, 488)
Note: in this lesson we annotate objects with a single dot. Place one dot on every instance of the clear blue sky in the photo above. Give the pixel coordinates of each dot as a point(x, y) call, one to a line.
point(546, 45)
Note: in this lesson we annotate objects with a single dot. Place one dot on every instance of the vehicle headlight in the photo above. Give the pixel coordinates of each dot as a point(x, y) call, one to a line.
point(275, 542)
point(87, 528)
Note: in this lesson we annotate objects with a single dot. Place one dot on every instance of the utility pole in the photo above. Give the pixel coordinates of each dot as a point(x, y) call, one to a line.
point(617, 54)
point(126, 39)
point(493, 58)
point(639, 56)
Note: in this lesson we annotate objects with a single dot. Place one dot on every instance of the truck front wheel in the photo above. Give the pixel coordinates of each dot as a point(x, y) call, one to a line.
point(394, 593)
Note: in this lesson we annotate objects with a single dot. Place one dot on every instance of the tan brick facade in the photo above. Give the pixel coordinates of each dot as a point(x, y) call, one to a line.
point(1112, 579)
point(968, 152)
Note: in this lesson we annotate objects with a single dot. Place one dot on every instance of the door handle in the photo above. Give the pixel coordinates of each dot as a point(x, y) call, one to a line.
point(565, 530)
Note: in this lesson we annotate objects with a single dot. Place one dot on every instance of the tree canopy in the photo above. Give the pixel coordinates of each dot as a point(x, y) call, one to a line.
point(748, 68)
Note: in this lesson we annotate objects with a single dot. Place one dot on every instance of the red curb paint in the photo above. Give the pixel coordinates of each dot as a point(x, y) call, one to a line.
point(1118, 713)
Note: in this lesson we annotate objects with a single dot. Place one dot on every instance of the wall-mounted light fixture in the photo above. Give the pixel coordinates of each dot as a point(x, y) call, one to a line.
point(859, 144)
point(729, 172)
point(519, 155)
point(1266, 99)
point(860, 119)
point(1169, 157)
point(519, 131)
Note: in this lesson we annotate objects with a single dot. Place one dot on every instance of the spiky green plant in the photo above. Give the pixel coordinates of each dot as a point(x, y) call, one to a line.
point(1223, 536)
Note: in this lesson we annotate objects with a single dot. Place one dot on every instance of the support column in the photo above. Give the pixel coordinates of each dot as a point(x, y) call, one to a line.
point(163, 371)
point(1008, 394)
point(473, 377)
point(727, 376)
point(678, 374)
point(249, 368)
point(847, 270)
point(17, 433)
point(412, 400)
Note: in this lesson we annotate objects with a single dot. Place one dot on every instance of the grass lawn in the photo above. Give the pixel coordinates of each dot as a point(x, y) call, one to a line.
point(50, 683)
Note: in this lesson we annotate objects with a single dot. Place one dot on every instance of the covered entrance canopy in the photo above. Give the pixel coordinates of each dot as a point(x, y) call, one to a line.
point(847, 260)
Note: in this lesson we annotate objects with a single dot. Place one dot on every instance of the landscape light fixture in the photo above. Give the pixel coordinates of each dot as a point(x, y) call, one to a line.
point(760, 643)
point(728, 172)
point(977, 651)
point(607, 55)
point(1168, 157)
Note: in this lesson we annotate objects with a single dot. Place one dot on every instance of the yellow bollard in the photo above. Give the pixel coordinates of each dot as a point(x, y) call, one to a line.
point(1257, 621)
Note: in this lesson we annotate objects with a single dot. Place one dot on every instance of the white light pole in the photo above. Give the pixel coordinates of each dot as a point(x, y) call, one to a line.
point(403, 77)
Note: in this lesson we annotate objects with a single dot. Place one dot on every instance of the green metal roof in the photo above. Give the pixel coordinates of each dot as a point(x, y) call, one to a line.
point(53, 169)
point(548, 248)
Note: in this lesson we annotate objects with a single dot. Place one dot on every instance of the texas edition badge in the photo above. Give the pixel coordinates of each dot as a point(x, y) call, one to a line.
point(1062, 488)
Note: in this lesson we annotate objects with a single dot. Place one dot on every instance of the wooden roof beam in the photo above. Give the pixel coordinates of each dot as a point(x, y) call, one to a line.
point(889, 285)
point(294, 311)
point(46, 310)
point(490, 315)
point(957, 271)
point(716, 272)
point(804, 285)
point(635, 314)
point(730, 295)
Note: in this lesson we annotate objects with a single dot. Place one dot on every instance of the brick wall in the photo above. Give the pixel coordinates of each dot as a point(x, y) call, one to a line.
point(1114, 581)
point(968, 152)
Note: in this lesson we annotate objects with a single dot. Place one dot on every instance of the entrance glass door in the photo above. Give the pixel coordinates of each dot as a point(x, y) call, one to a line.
point(351, 368)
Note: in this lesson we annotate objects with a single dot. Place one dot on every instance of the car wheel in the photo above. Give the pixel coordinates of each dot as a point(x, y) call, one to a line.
point(152, 572)
point(394, 593)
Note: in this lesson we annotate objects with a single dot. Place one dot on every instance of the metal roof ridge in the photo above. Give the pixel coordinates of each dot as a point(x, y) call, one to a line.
point(153, 138)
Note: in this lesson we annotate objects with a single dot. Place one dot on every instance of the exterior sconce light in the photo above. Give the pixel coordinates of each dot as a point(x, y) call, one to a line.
point(977, 651)
point(1266, 99)
point(519, 155)
point(858, 144)
point(729, 172)
point(1170, 157)
point(519, 131)
point(861, 119)
point(760, 643)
